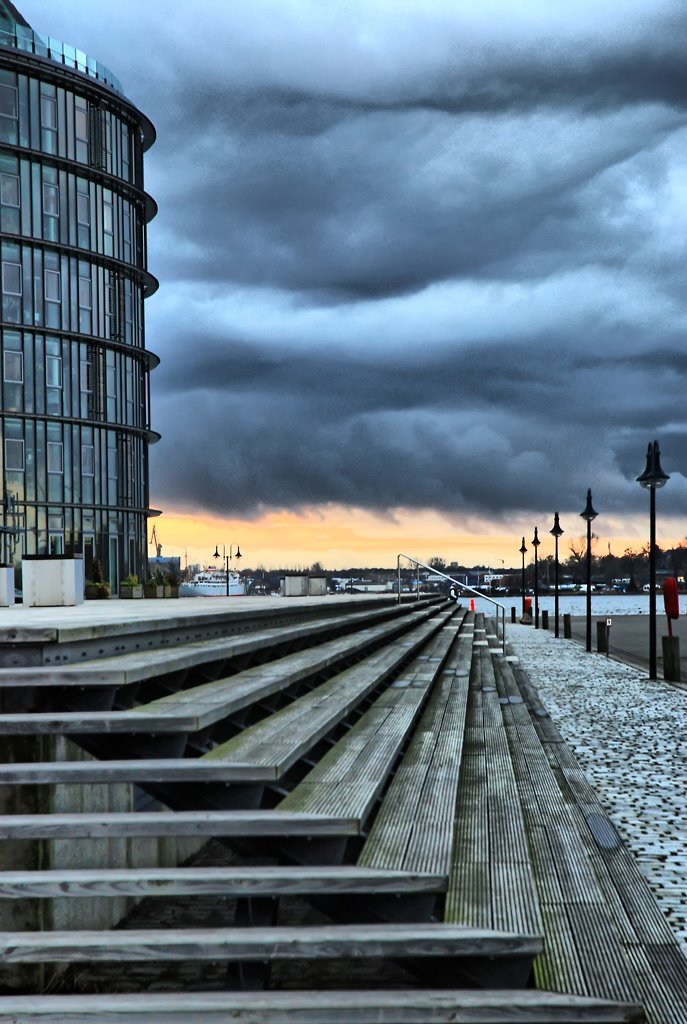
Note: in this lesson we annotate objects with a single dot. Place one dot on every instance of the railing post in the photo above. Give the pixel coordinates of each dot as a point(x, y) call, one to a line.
point(398, 572)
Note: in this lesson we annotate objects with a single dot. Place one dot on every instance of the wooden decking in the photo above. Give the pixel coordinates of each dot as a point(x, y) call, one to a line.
point(401, 834)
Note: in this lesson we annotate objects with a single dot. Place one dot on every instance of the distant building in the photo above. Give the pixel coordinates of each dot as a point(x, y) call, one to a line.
point(74, 409)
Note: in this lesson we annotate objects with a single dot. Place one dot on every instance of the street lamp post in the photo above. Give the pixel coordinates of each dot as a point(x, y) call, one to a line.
point(589, 515)
point(535, 544)
point(556, 532)
point(652, 478)
point(523, 549)
point(227, 559)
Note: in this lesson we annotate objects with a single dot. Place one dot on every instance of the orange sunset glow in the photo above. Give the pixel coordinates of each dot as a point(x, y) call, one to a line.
point(340, 537)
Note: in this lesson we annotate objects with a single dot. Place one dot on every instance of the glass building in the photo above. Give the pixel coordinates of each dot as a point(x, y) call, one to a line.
point(75, 371)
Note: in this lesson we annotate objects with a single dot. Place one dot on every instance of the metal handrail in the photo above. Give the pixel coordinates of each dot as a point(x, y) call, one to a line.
point(501, 609)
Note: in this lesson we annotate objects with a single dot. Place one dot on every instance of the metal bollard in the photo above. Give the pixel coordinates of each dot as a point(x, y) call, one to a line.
point(512, 614)
point(671, 658)
point(602, 638)
point(544, 619)
point(567, 626)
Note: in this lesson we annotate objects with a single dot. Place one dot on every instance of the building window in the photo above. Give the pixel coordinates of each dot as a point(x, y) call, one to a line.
point(8, 113)
point(48, 123)
point(53, 371)
point(9, 201)
point(52, 286)
point(8, 101)
point(11, 278)
point(9, 190)
point(51, 200)
point(51, 211)
point(81, 129)
point(14, 454)
point(88, 460)
point(13, 367)
point(55, 457)
point(85, 305)
point(83, 209)
point(49, 112)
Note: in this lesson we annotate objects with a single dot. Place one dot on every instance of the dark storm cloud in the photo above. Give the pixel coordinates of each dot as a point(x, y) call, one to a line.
point(411, 254)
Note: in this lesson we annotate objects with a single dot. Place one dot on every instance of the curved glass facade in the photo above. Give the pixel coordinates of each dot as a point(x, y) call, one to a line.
point(74, 403)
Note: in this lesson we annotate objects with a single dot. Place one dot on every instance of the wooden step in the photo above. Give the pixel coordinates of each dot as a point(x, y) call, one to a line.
point(173, 823)
point(259, 943)
point(136, 666)
point(198, 707)
point(350, 777)
point(431, 1006)
point(231, 881)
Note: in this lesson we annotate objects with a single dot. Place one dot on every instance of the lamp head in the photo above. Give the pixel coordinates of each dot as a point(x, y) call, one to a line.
point(216, 554)
point(556, 531)
point(238, 552)
point(653, 475)
point(523, 548)
point(535, 540)
point(588, 513)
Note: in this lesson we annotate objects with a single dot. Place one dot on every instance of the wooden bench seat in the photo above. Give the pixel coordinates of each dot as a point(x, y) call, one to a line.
point(133, 667)
point(414, 825)
point(491, 883)
point(413, 1006)
point(173, 823)
point(224, 881)
point(352, 774)
point(274, 744)
point(594, 943)
point(260, 943)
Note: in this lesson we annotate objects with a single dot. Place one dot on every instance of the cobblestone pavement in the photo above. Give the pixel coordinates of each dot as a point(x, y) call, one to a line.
point(630, 736)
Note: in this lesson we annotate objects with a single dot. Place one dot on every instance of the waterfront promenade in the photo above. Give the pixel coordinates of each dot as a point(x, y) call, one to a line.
point(392, 807)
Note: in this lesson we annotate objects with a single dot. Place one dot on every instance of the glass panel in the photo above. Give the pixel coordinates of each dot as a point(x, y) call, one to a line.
point(8, 101)
point(14, 454)
point(48, 112)
point(51, 200)
point(14, 367)
point(11, 278)
point(52, 285)
point(9, 189)
point(55, 457)
point(53, 371)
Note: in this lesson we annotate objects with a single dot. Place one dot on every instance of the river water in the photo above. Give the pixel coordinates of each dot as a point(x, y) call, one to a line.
point(576, 604)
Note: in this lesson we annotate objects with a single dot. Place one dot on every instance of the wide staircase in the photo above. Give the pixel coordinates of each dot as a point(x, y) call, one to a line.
point(342, 812)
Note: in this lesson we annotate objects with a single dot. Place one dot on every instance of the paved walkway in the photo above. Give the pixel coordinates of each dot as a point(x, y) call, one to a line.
point(630, 737)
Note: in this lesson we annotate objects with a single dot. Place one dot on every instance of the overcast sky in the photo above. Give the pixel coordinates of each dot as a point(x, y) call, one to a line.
point(419, 253)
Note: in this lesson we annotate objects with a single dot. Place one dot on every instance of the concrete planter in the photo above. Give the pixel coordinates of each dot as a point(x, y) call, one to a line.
point(131, 593)
point(153, 590)
point(97, 591)
point(171, 591)
point(50, 581)
point(6, 586)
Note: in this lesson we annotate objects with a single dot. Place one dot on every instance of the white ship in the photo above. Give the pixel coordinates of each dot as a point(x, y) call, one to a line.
point(212, 583)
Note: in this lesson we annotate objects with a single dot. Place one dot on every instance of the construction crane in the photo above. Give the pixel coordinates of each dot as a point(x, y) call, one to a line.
point(154, 540)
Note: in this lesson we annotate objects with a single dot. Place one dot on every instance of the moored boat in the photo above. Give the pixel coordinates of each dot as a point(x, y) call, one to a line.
point(212, 583)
